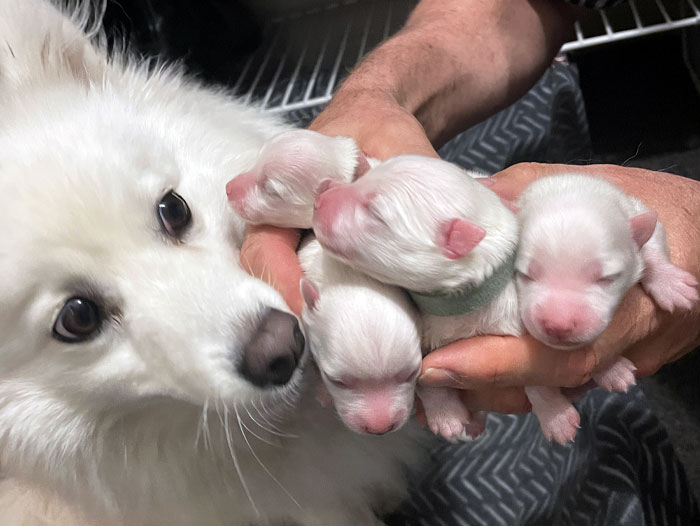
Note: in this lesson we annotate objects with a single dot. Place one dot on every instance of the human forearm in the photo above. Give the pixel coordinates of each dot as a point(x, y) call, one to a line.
point(458, 61)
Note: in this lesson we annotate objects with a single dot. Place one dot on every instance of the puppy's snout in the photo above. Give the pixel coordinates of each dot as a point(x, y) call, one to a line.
point(274, 352)
point(237, 190)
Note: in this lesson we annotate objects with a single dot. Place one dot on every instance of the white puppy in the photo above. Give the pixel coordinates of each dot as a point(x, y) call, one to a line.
point(281, 188)
point(145, 378)
point(364, 337)
point(429, 227)
point(584, 244)
point(363, 334)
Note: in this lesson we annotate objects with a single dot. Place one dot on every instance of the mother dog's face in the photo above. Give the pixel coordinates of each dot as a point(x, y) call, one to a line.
point(119, 275)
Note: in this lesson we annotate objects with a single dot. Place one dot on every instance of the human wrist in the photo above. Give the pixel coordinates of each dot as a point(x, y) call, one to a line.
point(381, 128)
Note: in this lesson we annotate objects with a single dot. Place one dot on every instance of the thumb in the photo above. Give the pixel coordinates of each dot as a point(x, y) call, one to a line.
point(269, 253)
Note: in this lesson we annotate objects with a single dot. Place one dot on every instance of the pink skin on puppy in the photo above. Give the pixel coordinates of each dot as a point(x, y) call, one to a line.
point(365, 340)
point(363, 334)
point(584, 244)
point(564, 317)
point(280, 189)
point(427, 226)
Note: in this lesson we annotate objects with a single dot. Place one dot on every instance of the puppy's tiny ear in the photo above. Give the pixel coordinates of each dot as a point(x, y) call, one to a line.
point(457, 237)
point(643, 227)
point(309, 291)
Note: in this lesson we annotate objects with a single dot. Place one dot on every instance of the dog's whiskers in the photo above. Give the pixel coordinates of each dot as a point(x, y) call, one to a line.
point(273, 430)
point(288, 399)
point(203, 427)
point(229, 442)
point(274, 417)
point(241, 422)
point(241, 425)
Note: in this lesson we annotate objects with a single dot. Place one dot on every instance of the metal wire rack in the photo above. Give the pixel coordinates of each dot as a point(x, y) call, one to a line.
point(308, 53)
point(633, 19)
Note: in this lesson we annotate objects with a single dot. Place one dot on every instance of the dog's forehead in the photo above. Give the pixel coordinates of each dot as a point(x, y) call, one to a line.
point(569, 242)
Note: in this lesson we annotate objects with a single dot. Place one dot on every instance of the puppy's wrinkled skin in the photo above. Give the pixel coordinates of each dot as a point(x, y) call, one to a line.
point(584, 244)
point(364, 337)
point(426, 225)
point(168, 408)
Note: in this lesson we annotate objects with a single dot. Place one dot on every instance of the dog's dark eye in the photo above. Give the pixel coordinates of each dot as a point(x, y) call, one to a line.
point(78, 320)
point(174, 214)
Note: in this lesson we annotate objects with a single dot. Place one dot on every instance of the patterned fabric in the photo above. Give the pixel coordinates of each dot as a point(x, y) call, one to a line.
point(548, 124)
point(620, 471)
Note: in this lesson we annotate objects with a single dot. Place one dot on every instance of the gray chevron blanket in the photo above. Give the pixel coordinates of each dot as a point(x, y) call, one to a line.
point(620, 471)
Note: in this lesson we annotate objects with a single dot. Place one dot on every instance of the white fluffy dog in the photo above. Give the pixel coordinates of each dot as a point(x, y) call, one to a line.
point(145, 378)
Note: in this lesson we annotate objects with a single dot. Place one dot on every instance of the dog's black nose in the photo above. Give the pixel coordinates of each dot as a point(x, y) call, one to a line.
point(273, 353)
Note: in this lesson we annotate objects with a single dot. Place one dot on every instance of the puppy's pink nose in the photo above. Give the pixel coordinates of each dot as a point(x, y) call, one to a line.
point(237, 190)
point(566, 319)
point(380, 430)
point(558, 328)
point(379, 422)
point(382, 420)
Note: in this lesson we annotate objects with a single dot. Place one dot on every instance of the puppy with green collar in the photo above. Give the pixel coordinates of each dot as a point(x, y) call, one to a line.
point(429, 227)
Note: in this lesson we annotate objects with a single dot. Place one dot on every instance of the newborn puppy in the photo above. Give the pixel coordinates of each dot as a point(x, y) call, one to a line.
point(584, 244)
point(363, 334)
point(280, 189)
point(364, 338)
point(427, 226)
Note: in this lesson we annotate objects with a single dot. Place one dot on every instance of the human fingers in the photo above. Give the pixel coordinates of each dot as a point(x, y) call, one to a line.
point(269, 253)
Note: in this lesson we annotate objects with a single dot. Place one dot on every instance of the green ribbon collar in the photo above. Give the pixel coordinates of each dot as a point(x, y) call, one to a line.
point(469, 298)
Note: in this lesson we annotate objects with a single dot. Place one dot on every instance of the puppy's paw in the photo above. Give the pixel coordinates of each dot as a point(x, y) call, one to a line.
point(450, 423)
point(558, 419)
point(617, 376)
point(560, 426)
point(446, 415)
point(671, 287)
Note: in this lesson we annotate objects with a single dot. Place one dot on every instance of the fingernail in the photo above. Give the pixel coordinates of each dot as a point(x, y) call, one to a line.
point(440, 378)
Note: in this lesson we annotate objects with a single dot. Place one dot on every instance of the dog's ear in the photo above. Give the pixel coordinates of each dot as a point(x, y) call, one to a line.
point(40, 42)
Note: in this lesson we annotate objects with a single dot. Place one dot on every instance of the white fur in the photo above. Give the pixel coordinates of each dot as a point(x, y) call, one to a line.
point(364, 330)
point(363, 334)
point(394, 239)
point(148, 423)
point(569, 222)
point(285, 180)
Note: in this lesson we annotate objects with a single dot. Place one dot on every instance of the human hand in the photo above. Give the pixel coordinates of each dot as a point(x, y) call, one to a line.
point(640, 331)
point(382, 129)
point(379, 125)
